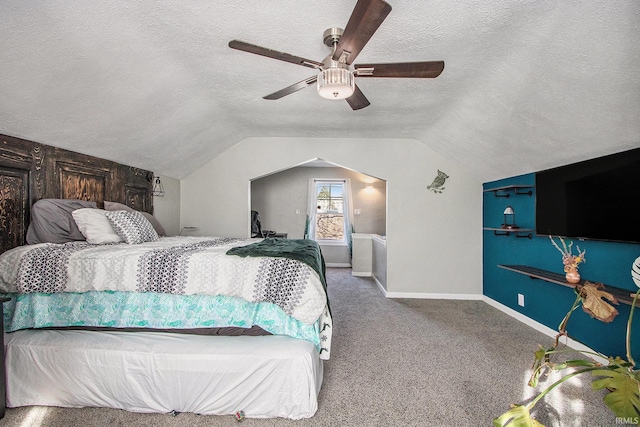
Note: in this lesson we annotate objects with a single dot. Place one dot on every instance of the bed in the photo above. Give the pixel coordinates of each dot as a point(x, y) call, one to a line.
point(120, 316)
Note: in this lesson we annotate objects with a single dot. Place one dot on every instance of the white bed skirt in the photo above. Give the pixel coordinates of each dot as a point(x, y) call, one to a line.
point(264, 376)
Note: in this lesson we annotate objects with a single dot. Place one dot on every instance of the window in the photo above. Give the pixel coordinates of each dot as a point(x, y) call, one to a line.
point(330, 211)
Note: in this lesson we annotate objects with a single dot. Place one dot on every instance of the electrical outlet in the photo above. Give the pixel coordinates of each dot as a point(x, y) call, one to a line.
point(521, 300)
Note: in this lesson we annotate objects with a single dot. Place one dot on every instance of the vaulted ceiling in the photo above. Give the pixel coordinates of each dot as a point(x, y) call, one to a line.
point(527, 85)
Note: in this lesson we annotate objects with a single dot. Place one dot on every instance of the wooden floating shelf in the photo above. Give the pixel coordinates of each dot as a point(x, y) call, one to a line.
point(623, 295)
point(505, 191)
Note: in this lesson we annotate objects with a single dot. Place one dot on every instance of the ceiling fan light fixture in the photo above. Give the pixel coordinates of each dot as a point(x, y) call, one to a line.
point(337, 72)
point(336, 83)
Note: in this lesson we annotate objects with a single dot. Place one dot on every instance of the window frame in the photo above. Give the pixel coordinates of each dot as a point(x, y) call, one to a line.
point(329, 182)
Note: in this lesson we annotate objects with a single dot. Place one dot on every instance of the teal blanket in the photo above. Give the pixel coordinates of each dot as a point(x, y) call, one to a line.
point(303, 250)
point(150, 310)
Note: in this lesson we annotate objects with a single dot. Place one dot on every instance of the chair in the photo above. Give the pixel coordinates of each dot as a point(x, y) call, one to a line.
point(256, 227)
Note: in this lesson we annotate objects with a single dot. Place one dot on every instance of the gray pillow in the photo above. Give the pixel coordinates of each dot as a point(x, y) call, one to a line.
point(132, 227)
point(115, 206)
point(52, 222)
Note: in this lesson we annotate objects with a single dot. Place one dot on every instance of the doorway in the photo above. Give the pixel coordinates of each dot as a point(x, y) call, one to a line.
point(281, 199)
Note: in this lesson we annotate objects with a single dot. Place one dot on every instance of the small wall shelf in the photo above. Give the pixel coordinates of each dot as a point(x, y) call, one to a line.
point(518, 232)
point(623, 295)
point(505, 191)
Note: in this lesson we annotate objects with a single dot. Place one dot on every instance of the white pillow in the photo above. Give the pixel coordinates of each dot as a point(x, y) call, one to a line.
point(115, 206)
point(133, 227)
point(94, 226)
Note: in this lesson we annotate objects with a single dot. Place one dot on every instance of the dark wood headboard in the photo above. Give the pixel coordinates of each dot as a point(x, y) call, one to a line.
point(30, 171)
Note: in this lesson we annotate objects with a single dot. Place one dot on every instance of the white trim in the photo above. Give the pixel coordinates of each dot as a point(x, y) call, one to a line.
point(375, 279)
point(364, 236)
point(361, 274)
point(380, 239)
point(326, 242)
point(313, 197)
point(339, 264)
point(421, 295)
point(542, 328)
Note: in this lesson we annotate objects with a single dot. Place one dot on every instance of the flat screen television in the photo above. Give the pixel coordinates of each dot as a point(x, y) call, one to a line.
point(595, 199)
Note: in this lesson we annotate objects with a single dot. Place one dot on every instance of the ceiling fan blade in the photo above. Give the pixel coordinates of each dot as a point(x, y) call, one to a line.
point(428, 69)
point(358, 101)
point(365, 19)
point(251, 48)
point(293, 88)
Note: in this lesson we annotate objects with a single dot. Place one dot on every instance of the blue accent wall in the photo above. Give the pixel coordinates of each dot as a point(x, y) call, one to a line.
point(547, 303)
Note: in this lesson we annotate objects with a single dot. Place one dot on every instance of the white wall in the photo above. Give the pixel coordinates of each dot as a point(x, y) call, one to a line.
point(167, 209)
point(434, 241)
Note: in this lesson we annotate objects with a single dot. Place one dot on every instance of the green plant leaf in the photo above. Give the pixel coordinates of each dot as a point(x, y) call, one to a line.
point(624, 385)
point(574, 364)
point(540, 362)
point(537, 366)
point(517, 416)
point(619, 362)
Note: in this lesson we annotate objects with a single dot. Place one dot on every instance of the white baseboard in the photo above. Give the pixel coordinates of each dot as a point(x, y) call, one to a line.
point(361, 273)
point(421, 295)
point(375, 279)
point(339, 264)
point(542, 328)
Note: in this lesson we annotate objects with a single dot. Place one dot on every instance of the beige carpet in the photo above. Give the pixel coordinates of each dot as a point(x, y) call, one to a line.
point(397, 363)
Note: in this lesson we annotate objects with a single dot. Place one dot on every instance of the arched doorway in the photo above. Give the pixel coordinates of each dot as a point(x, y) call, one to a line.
point(282, 198)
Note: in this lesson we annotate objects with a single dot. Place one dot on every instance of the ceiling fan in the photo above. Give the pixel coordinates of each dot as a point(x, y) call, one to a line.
point(336, 77)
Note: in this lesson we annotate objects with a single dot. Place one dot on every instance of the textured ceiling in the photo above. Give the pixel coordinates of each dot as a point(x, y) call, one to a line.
point(527, 85)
